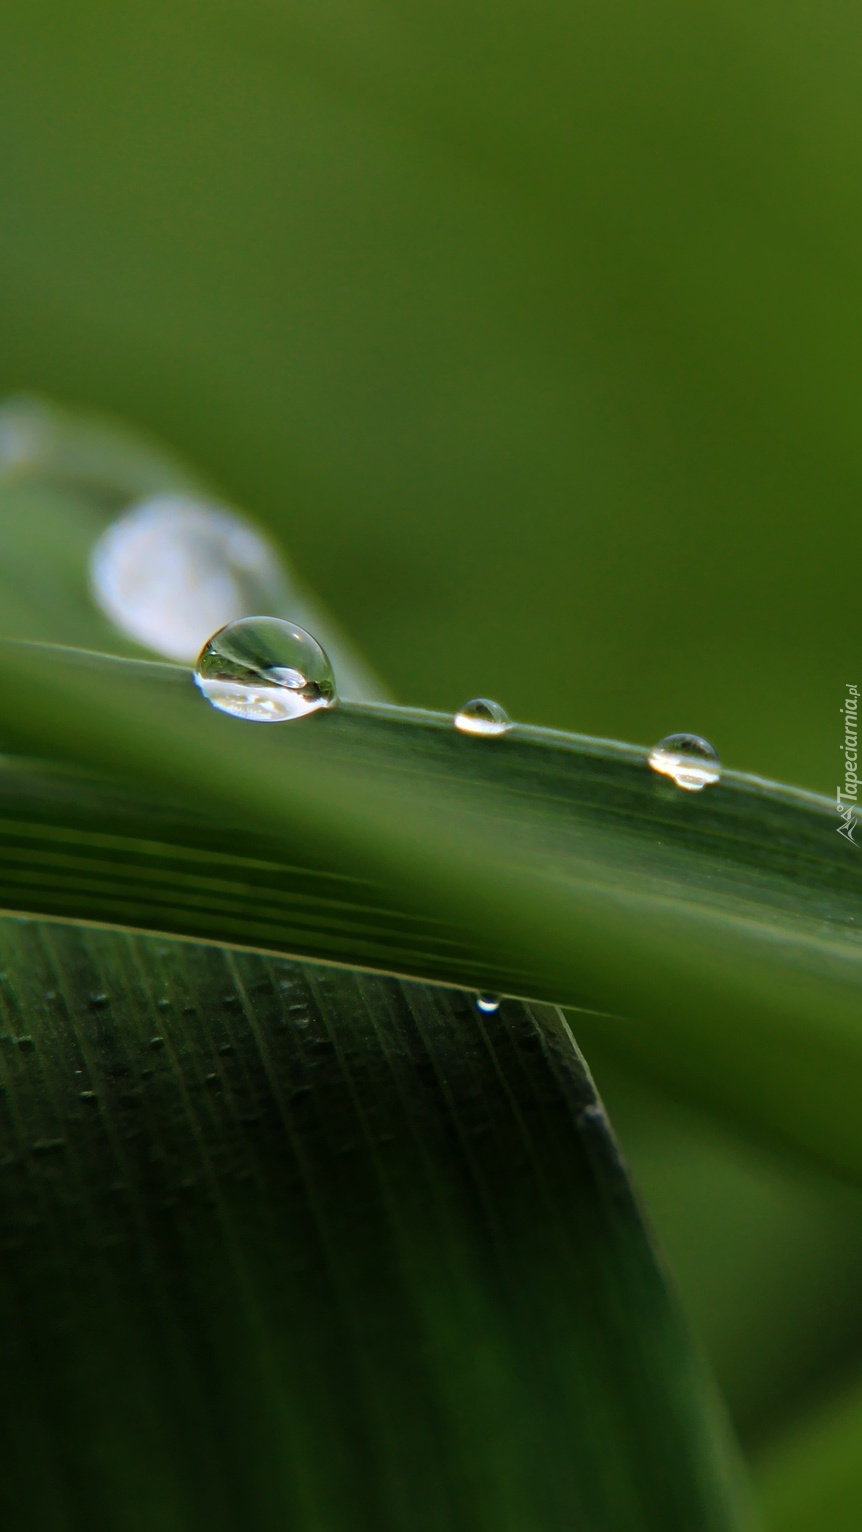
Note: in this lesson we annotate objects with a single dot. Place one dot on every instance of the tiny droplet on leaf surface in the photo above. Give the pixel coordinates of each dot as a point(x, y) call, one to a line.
point(689, 760)
point(481, 716)
point(487, 1003)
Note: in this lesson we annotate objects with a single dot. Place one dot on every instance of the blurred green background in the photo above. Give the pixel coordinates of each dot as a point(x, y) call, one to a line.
point(534, 331)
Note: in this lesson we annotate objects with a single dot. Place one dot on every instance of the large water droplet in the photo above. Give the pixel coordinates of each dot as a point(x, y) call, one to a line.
point(173, 569)
point(487, 1003)
point(688, 759)
point(482, 716)
point(265, 669)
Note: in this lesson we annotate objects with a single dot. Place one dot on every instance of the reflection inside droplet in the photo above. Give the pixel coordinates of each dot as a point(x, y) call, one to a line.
point(689, 760)
point(266, 670)
point(482, 716)
point(173, 569)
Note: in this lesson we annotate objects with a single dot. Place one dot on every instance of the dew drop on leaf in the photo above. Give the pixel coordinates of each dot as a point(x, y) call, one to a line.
point(487, 1003)
point(265, 669)
point(173, 569)
point(482, 716)
point(688, 759)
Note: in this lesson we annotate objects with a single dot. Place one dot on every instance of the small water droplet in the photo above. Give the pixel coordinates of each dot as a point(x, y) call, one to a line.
point(482, 716)
point(487, 1003)
point(173, 569)
point(265, 669)
point(87, 1095)
point(688, 759)
point(48, 1145)
point(156, 1042)
point(26, 1044)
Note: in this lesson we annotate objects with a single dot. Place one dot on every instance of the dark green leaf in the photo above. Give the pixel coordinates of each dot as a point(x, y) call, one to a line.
point(287, 1246)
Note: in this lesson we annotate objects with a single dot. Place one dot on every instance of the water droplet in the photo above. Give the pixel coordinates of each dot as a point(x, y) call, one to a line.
point(688, 759)
point(173, 569)
point(482, 716)
point(265, 669)
point(487, 1003)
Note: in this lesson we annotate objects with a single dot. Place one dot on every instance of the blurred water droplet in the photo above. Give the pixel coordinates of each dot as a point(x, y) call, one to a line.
point(688, 759)
point(482, 716)
point(487, 1003)
point(173, 569)
point(266, 670)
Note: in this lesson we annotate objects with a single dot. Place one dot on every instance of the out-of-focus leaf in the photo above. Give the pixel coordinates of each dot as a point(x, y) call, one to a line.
point(288, 1246)
point(766, 1250)
point(64, 478)
point(812, 1477)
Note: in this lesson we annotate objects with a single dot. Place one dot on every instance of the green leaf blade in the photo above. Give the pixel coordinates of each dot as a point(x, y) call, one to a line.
point(287, 1243)
point(537, 864)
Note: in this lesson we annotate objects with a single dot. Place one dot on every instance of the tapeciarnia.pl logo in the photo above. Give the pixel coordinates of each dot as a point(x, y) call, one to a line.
point(847, 797)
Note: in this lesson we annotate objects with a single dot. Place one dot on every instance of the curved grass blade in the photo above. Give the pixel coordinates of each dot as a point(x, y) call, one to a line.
point(285, 1245)
point(723, 925)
